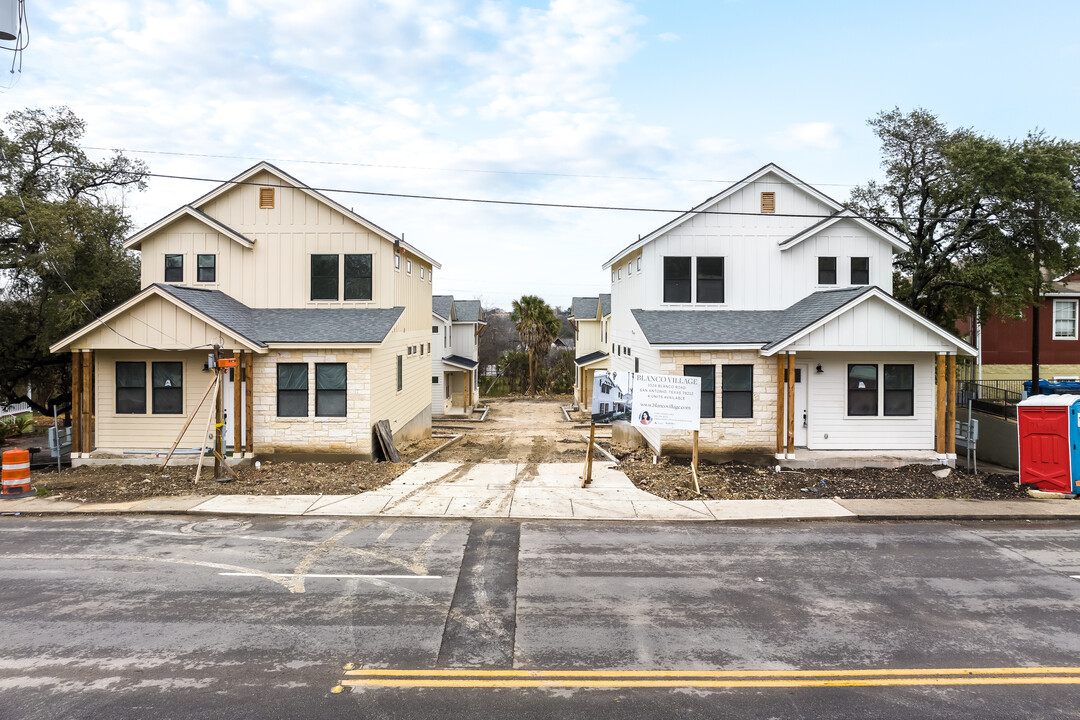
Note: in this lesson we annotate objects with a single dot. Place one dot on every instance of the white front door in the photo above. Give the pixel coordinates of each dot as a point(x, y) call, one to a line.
point(227, 431)
point(802, 420)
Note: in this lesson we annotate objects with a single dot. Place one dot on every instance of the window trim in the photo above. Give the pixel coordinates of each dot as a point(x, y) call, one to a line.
point(689, 281)
point(697, 280)
point(820, 269)
point(725, 393)
point(397, 260)
point(199, 267)
point(117, 388)
point(342, 392)
point(1065, 302)
point(876, 391)
point(885, 390)
point(306, 389)
point(154, 388)
point(408, 266)
point(337, 277)
point(345, 277)
point(180, 268)
point(851, 269)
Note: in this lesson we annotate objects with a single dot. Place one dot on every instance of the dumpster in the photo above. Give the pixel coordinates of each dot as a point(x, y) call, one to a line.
point(1049, 437)
point(1057, 387)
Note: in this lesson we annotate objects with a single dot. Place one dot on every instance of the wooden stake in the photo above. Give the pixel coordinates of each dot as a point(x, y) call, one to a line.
point(188, 422)
point(694, 465)
point(586, 473)
point(206, 433)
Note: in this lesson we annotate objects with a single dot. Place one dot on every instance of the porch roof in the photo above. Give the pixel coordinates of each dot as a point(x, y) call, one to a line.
point(591, 358)
point(461, 362)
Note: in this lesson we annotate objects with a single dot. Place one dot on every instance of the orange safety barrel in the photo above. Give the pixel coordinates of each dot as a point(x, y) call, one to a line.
point(16, 472)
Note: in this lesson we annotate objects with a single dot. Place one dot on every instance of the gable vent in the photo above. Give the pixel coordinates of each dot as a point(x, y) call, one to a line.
point(768, 202)
point(266, 198)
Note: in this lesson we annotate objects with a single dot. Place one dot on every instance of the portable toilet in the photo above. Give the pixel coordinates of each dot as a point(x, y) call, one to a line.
point(1049, 440)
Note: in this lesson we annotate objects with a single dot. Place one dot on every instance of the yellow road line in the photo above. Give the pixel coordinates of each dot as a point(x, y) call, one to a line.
point(467, 673)
point(628, 684)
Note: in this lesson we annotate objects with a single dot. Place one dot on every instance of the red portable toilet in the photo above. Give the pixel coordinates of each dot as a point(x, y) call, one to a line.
point(1045, 457)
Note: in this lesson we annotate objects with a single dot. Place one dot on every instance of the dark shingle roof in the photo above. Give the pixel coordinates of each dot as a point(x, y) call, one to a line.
point(738, 327)
point(289, 325)
point(605, 304)
point(591, 357)
point(441, 305)
point(584, 308)
point(467, 311)
point(463, 362)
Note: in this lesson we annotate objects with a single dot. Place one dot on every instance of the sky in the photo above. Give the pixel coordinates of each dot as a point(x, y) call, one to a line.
point(650, 104)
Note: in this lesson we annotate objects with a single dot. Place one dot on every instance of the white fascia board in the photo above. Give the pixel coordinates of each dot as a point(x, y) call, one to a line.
point(898, 244)
point(437, 315)
point(960, 345)
point(135, 240)
point(752, 178)
point(102, 322)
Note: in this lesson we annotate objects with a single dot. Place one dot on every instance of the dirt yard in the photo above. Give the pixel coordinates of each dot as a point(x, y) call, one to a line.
point(519, 430)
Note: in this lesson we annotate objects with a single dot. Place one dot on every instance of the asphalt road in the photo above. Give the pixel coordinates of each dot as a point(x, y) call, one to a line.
point(177, 617)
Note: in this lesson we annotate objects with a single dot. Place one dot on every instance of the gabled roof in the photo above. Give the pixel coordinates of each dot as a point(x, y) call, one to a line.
point(727, 192)
point(467, 311)
point(289, 181)
point(844, 214)
point(585, 308)
point(186, 211)
point(461, 362)
point(771, 330)
point(590, 358)
point(443, 306)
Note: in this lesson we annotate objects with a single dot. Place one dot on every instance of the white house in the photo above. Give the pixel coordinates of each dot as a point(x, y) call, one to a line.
point(455, 340)
point(780, 300)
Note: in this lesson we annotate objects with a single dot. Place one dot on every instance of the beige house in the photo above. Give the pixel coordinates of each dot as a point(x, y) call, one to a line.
point(589, 317)
point(326, 312)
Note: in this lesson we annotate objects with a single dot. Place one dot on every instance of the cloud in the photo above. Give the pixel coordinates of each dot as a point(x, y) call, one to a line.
point(820, 135)
point(668, 37)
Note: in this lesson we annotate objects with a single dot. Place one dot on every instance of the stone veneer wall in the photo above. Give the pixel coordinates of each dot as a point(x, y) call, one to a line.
point(1023, 372)
point(350, 435)
point(724, 438)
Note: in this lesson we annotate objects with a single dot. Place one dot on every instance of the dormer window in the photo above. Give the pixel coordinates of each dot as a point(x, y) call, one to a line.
point(266, 198)
point(768, 202)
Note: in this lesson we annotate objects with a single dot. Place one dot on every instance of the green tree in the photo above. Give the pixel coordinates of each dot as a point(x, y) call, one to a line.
point(62, 262)
point(537, 326)
point(932, 198)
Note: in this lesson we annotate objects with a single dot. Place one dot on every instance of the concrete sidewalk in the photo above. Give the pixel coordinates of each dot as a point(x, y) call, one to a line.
point(549, 491)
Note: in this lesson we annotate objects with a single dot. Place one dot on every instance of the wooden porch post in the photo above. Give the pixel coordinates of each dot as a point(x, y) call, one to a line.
point(238, 412)
point(76, 404)
point(950, 405)
point(87, 402)
point(791, 404)
point(249, 402)
point(939, 444)
point(780, 412)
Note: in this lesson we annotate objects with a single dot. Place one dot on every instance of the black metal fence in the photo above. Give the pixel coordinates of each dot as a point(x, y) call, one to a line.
point(996, 397)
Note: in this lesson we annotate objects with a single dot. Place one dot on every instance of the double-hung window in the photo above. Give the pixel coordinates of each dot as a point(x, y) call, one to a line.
point(900, 390)
point(707, 373)
point(826, 271)
point(292, 390)
point(1065, 319)
point(710, 279)
point(676, 279)
point(737, 385)
point(168, 381)
point(207, 268)
point(174, 268)
point(860, 271)
point(358, 277)
point(324, 277)
point(330, 389)
point(862, 390)
point(130, 388)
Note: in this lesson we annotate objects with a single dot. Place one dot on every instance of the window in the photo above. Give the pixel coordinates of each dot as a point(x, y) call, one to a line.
point(434, 379)
point(168, 387)
point(637, 364)
point(130, 388)
point(397, 261)
point(330, 395)
point(862, 390)
point(900, 390)
point(826, 271)
point(707, 373)
point(737, 384)
point(639, 263)
point(358, 277)
point(266, 198)
point(421, 348)
point(292, 388)
point(408, 350)
point(324, 277)
point(408, 267)
point(676, 279)
point(620, 274)
point(421, 272)
point(207, 268)
point(400, 378)
point(860, 271)
point(629, 269)
point(768, 202)
point(429, 348)
point(613, 275)
point(434, 329)
point(1065, 319)
point(710, 279)
point(174, 268)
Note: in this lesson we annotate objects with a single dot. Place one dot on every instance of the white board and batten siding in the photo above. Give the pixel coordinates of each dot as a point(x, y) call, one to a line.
point(872, 325)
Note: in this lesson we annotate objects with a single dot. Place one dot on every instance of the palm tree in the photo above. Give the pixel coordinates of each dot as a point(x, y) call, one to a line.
point(537, 326)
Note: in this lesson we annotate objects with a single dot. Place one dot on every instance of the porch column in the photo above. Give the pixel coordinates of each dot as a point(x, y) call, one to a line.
point(780, 412)
point(791, 404)
point(950, 405)
point(249, 403)
point(939, 444)
point(76, 404)
point(238, 412)
point(86, 405)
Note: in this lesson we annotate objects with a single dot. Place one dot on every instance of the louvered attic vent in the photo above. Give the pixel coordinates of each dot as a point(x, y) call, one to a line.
point(768, 202)
point(266, 198)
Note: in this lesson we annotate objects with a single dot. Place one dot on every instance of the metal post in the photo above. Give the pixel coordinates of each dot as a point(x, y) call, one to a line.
point(56, 432)
point(968, 443)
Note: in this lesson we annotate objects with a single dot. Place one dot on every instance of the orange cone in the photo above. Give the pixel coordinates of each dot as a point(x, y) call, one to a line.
point(16, 472)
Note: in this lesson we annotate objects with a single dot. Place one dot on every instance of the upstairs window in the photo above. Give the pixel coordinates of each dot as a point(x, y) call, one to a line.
point(768, 202)
point(860, 271)
point(266, 198)
point(397, 261)
point(207, 268)
point(358, 277)
point(707, 373)
point(1065, 319)
point(174, 268)
point(826, 271)
point(710, 279)
point(400, 374)
point(168, 379)
point(324, 277)
point(676, 279)
point(292, 390)
point(130, 388)
point(408, 267)
point(330, 393)
point(862, 390)
point(434, 329)
point(737, 400)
